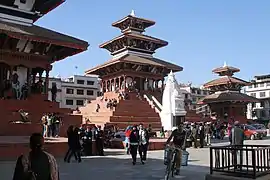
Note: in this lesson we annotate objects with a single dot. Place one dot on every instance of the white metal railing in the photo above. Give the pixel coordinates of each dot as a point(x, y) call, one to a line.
point(201, 107)
point(157, 102)
point(152, 103)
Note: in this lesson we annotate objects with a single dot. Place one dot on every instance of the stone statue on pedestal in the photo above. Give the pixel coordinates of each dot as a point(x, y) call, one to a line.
point(173, 107)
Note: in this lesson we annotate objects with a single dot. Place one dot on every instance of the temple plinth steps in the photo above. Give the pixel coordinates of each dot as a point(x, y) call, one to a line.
point(133, 119)
point(127, 112)
point(123, 125)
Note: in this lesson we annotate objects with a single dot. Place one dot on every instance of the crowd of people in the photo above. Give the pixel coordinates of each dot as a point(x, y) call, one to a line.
point(80, 141)
point(51, 123)
point(39, 162)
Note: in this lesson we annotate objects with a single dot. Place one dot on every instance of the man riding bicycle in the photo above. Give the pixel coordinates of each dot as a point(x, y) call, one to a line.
point(178, 136)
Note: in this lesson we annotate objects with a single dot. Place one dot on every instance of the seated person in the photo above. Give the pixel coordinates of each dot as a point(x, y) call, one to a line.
point(24, 116)
point(98, 107)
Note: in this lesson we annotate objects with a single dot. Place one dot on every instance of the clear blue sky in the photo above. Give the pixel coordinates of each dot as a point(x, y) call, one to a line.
point(202, 34)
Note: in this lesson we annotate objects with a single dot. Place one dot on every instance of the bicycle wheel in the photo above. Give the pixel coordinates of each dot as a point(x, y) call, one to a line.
point(168, 170)
point(173, 164)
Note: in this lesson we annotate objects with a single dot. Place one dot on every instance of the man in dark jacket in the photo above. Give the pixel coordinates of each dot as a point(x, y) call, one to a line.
point(99, 136)
point(134, 143)
point(87, 142)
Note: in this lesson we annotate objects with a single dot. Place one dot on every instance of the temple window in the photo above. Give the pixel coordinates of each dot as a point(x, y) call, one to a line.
point(261, 84)
point(91, 83)
point(255, 85)
point(80, 81)
point(69, 102)
point(253, 94)
point(79, 102)
point(80, 92)
point(268, 84)
point(90, 92)
point(69, 91)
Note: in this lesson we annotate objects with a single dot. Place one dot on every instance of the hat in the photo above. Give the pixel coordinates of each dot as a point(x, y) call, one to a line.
point(174, 128)
point(236, 123)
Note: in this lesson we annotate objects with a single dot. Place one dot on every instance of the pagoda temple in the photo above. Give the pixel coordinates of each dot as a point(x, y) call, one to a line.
point(133, 70)
point(226, 101)
point(26, 52)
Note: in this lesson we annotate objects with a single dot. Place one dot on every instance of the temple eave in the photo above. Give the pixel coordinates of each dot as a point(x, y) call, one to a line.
point(136, 60)
point(226, 68)
point(227, 97)
point(146, 21)
point(157, 41)
point(224, 81)
point(40, 34)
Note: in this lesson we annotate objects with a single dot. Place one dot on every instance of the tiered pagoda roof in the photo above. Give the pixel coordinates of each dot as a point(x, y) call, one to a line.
point(37, 10)
point(131, 22)
point(16, 36)
point(226, 81)
point(227, 87)
point(134, 47)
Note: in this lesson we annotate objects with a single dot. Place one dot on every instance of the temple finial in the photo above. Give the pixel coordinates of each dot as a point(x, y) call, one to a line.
point(132, 13)
point(225, 64)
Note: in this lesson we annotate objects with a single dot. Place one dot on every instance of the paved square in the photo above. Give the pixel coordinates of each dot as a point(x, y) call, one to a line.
point(117, 166)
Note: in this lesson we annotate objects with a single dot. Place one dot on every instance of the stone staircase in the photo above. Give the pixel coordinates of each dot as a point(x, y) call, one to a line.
point(127, 112)
point(36, 106)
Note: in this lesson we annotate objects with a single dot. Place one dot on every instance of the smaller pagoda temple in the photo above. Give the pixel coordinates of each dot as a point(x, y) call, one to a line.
point(226, 101)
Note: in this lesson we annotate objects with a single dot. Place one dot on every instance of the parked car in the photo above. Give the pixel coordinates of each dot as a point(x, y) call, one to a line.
point(251, 132)
point(120, 135)
point(261, 128)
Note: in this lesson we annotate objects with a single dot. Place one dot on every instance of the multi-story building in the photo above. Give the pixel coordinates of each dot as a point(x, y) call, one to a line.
point(259, 88)
point(192, 96)
point(72, 92)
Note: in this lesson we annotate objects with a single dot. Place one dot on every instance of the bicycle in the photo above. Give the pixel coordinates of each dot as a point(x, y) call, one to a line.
point(169, 160)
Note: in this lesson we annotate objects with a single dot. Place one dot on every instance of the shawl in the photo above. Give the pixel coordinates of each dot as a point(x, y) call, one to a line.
point(53, 165)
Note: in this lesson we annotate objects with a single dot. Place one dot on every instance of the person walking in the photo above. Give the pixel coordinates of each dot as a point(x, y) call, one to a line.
point(37, 164)
point(208, 133)
point(237, 138)
point(134, 142)
point(143, 142)
point(194, 134)
point(201, 134)
point(127, 143)
point(75, 146)
point(70, 143)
